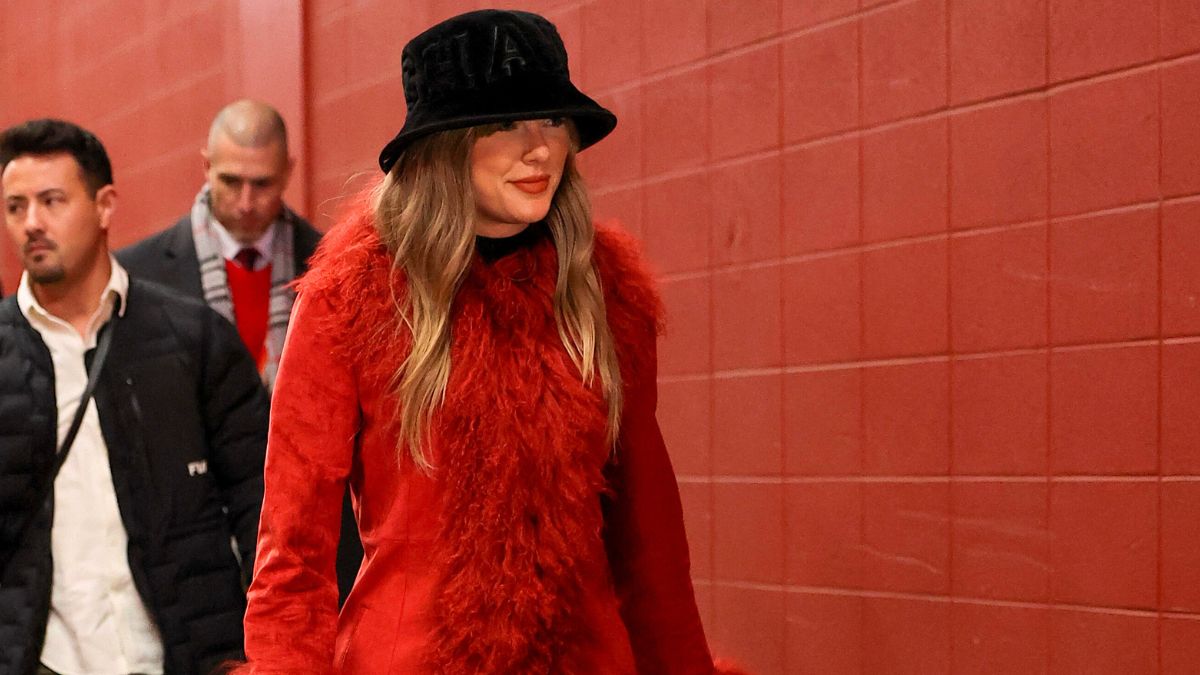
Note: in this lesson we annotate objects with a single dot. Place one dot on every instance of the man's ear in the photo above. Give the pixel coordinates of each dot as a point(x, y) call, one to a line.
point(206, 159)
point(106, 204)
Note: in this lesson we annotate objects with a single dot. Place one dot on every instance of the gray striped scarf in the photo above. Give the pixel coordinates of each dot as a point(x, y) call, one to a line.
point(216, 284)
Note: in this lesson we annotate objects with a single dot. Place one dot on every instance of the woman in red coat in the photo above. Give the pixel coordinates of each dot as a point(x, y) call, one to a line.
point(478, 361)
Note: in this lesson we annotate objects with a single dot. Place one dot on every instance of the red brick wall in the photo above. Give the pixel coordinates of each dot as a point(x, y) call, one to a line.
point(930, 381)
point(932, 369)
point(147, 78)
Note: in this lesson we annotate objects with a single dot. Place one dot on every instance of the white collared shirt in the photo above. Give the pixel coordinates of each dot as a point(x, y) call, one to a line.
point(98, 623)
point(265, 245)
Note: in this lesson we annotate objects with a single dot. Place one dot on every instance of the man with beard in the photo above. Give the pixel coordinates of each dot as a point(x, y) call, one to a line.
point(132, 439)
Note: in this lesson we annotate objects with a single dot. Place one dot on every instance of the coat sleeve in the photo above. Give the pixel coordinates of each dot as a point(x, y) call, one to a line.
point(647, 546)
point(235, 409)
point(291, 620)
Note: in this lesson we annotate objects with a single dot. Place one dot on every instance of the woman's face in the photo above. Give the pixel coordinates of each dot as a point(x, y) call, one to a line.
point(514, 173)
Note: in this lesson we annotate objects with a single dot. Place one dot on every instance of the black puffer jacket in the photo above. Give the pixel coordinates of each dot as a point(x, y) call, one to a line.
point(184, 416)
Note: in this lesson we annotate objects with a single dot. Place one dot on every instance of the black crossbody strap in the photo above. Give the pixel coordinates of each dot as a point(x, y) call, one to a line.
point(102, 346)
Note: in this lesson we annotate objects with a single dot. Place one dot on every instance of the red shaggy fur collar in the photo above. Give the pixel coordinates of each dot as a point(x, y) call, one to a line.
point(518, 444)
point(351, 266)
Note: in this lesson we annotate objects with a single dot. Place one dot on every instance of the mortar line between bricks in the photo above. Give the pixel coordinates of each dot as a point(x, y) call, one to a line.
point(567, 7)
point(677, 379)
point(746, 48)
point(874, 363)
point(385, 76)
point(1030, 479)
point(183, 16)
point(911, 360)
point(917, 118)
point(735, 373)
point(1131, 69)
point(157, 162)
point(916, 479)
point(1182, 199)
point(920, 238)
point(764, 479)
point(942, 357)
point(1114, 210)
point(690, 275)
point(171, 89)
point(744, 266)
point(1068, 348)
point(986, 228)
point(683, 172)
point(150, 36)
point(859, 478)
point(941, 598)
point(957, 109)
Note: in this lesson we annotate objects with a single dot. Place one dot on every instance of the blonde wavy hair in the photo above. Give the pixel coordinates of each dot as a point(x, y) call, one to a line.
point(424, 212)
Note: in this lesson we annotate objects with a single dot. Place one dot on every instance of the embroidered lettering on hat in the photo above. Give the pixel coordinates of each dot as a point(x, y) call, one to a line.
point(197, 468)
point(450, 62)
point(447, 61)
point(506, 52)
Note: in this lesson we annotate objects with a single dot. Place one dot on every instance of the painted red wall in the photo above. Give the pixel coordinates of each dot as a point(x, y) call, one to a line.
point(147, 78)
point(931, 377)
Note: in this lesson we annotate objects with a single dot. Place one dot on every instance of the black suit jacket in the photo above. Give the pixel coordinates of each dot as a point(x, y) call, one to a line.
point(169, 258)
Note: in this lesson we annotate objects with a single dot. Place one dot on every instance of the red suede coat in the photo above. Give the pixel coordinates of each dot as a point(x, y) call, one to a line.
point(531, 548)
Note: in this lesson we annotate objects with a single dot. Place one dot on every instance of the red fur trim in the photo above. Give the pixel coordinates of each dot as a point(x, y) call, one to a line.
point(521, 451)
point(353, 272)
point(629, 287)
point(631, 298)
point(519, 444)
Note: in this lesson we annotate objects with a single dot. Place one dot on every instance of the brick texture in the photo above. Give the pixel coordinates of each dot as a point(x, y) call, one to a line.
point(929, 270)
point(146, 80)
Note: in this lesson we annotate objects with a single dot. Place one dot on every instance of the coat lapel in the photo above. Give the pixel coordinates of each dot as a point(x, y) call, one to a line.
point(180, 264)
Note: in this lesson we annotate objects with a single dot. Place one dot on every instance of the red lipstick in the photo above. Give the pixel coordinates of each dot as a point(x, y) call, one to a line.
point(534, 184)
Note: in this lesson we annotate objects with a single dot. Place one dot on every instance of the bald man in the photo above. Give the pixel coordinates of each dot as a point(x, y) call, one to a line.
point(240, 246)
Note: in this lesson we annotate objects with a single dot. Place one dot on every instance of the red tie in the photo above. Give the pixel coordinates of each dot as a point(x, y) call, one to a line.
point(247, 257)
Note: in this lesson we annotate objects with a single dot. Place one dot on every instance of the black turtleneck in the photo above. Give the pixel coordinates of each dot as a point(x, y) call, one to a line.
point(492, 249)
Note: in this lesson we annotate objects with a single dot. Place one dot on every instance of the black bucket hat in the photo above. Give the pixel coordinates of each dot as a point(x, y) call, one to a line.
point(490, 66)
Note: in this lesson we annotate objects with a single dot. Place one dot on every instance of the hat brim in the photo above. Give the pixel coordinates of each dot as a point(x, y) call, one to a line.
point(592, 121)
